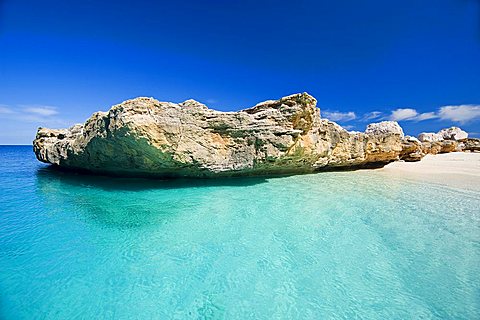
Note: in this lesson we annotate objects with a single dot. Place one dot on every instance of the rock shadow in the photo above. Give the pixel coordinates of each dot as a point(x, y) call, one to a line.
point(117, 183)
point(129, 203)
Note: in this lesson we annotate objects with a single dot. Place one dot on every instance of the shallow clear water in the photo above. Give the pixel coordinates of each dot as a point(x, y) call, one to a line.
point(345, 245)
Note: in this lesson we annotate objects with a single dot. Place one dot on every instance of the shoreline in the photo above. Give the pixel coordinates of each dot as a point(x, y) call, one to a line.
point(456, 169)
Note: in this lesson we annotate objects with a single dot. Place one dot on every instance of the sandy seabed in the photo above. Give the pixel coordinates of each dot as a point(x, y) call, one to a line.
point(456, 169)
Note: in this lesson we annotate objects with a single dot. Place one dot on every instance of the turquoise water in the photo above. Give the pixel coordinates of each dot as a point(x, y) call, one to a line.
point(344, 245)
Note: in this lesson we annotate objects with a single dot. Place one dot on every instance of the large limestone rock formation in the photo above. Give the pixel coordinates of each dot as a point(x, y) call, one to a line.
point(144, 136)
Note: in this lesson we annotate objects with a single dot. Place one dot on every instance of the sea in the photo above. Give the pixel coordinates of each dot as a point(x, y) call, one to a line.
point(335, 245)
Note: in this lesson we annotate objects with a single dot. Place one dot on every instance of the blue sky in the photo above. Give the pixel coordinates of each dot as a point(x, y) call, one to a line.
point(413, 61)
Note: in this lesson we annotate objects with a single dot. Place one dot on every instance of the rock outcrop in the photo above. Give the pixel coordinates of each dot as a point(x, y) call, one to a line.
point(452, 133)
point(471, 145)
point(384, 127)
point(411, 149)
point(144, 136)
point(429, 137)
point(446, 140)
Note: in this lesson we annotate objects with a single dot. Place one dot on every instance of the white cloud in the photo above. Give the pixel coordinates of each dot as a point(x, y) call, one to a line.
point(457, 113)
point(5, 110)
point(372, 115)
point(339, 116)
point(409, 114)
point(41, 115)
point(403, 114)
point(28, 112)
point(44, 111)
point(426, 116)
point(461, 113)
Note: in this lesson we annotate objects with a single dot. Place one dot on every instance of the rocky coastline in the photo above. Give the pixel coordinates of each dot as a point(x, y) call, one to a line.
point(146, 137)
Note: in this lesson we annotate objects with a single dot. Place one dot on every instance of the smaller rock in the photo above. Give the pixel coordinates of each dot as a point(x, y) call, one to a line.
point(384, 127)
point(411, 150)
point(430, 137)
point(413, 157)
point(412, 139)
point(471, 145)
point(448, 146)
point(453, 133)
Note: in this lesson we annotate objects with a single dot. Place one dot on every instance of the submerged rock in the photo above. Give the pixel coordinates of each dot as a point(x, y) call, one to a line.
point(144, 136)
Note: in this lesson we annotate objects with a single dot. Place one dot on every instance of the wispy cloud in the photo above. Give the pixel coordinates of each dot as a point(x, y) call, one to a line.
point(455, 113)
point(426, 116)
point(339, 116)
point(44, 111)
point(32, 113)
point(372, 115)
point(409, 114)
point(403, 114)
point(460, 113)
point(5, 110)
point(211, 101)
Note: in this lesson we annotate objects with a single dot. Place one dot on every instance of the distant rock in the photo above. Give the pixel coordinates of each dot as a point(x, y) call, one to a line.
point(384, 127)
point(429, 137)
point(446, 140)
point(144, 136)
point(471, 145)
point(453, 133)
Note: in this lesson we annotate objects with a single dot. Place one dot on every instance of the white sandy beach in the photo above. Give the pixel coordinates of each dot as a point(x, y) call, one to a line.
point(456, 169)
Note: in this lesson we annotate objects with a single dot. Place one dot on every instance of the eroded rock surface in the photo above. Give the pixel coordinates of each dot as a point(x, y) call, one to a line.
point(471, 145)
point(452, 133)
point(384, 127)
point(446, 140)
point(429, 137)
point(144, 136)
